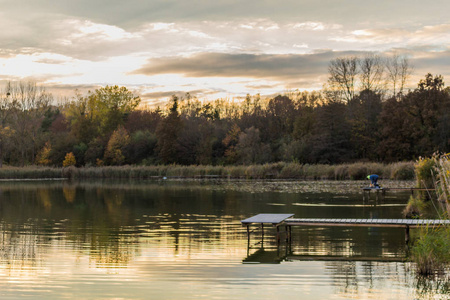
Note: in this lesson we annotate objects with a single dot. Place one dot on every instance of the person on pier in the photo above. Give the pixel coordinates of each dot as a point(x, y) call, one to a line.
point(373, 180)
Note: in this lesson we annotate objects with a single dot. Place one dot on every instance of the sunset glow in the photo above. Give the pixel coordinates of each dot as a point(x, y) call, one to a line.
point(220, 49)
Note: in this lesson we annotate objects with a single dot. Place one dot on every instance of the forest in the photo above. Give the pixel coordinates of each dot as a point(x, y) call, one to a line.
point(363, 113)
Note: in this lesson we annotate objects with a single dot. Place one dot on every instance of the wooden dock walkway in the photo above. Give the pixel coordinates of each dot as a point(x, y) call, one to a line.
point(278, 220)
point(383, 190)
point(366, 222)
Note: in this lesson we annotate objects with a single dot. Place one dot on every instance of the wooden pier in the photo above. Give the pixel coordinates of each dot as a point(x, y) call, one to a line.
point(279, 220)
point(382, 190)
point(274, 219)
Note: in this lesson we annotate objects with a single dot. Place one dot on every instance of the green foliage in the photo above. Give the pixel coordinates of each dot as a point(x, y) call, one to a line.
point(305, 127)
point(424, 172)
point(443, 179)
point(430, 251)
point(79, 152)
point(167, 133)
point(95, 151)
point(415, 207)
point(141, 146)
point(250, 149)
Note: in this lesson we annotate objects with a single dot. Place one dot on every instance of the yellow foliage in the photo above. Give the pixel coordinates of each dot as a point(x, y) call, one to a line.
point(69, 160)
point(43, 157)
point(99, 162)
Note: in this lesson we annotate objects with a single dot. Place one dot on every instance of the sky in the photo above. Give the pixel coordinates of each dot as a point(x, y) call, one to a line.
point(211, 49)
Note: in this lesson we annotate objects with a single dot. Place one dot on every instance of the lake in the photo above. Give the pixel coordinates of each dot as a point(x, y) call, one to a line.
point(180, 239)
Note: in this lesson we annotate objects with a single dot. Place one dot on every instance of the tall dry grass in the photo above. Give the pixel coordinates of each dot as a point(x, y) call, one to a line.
point(280, 170)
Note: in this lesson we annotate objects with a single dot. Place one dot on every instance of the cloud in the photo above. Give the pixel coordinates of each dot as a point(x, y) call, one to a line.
point(274, 66)
point(134, 13)
point(178, 93)
point(434, 35)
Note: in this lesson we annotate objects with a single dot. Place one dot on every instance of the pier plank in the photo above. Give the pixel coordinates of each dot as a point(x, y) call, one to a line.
point(267, 218)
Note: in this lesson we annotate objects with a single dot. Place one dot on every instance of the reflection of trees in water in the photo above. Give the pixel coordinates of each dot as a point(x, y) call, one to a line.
point(107, 223)
point(384, 278)
point(349, 241)
point(110, 251)
point(432, 287)
point(19, 248)
point(353, 278)
point(95, 222)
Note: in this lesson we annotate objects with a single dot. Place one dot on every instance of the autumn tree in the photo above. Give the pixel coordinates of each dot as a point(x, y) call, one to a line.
point(330, 141)
point(167, 133)
point(425, 109)
point(250, 149)
point(100, 112)
point(83, 117)
point(28, 104)
point(114, 104)
point(69, 160)
point(115, 150)
point(362, 114)
point(230, 141)
point(43, 156)
point(141, 147)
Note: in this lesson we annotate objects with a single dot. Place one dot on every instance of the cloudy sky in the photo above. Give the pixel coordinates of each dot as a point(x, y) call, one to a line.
point(211, 48)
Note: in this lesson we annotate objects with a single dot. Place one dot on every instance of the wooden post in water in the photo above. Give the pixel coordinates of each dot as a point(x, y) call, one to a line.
point(287, 233)
point(262, 233)
point(290, 233)
point(278, 234)
point(248, 234)
point(407, 234)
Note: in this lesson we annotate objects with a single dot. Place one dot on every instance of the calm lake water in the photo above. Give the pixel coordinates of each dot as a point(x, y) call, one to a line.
point(184, 240)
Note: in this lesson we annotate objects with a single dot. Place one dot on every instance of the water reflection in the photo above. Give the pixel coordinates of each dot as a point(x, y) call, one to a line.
point(184, 240)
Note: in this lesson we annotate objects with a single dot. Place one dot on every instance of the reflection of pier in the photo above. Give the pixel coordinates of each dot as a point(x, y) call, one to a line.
point(263, 256)
point(270, 256)
point(285, 220)
point(275, 257)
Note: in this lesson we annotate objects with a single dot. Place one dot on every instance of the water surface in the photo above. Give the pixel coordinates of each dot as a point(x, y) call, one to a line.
point(184, 240)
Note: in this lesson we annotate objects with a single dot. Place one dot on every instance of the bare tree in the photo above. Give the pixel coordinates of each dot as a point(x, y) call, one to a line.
point(28, 103)
point(398, 72)
point(405, 72)
point(5, 129)
point(343, 72)
point(371, 73)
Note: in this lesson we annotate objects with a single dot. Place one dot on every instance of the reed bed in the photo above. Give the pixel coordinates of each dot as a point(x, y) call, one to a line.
point(280, 170)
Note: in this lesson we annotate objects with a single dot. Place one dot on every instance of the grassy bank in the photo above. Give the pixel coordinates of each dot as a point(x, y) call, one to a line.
point(355, 171)
point(430, 250)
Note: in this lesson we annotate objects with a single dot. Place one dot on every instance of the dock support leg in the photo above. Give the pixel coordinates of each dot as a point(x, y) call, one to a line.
point(407, 235)
point(248, 234)
point(290, 233)
point(262, 233)
point(278, 235)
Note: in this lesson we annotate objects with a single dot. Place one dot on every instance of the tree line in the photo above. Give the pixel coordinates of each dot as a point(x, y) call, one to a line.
point(363, 113)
